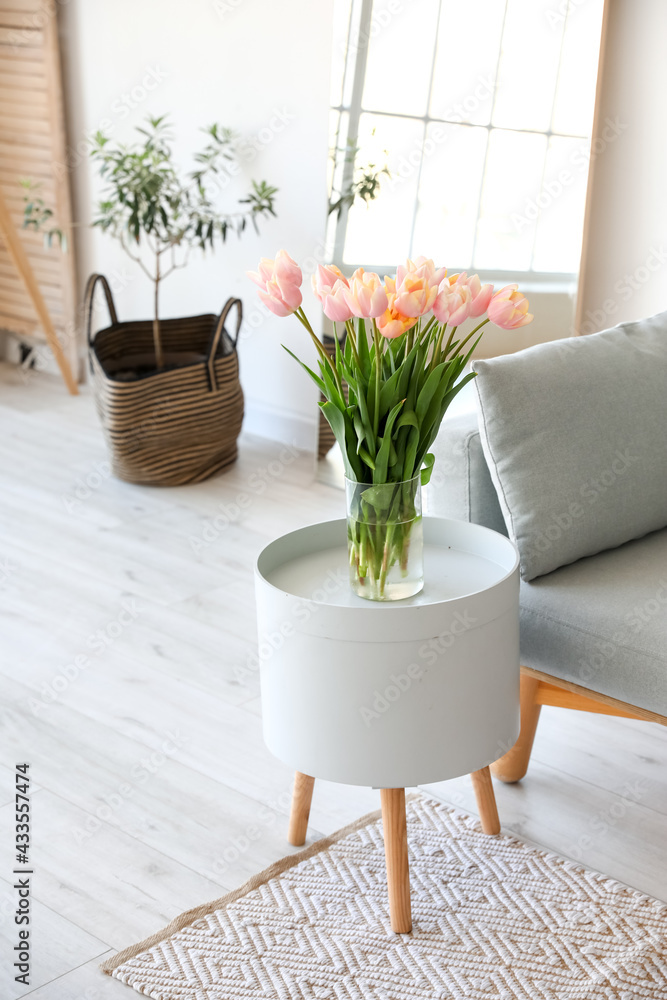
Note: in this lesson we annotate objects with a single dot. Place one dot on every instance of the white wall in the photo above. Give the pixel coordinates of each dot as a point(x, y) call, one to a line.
point(258, 67)
point(624, 260)
point(554, 318)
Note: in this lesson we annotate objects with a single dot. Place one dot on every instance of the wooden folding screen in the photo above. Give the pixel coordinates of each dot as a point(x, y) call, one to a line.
point(33, 145)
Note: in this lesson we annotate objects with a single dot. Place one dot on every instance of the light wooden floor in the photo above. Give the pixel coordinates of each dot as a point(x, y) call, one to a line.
point(153, 790)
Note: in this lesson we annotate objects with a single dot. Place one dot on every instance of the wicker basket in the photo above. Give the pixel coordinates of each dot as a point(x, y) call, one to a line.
point(177, 425)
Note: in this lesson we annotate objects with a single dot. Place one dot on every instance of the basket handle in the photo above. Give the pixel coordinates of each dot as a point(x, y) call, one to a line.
point(88, 303)
point(217, 337)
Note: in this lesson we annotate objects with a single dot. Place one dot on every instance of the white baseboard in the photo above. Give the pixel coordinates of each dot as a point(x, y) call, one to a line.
point(279, 424)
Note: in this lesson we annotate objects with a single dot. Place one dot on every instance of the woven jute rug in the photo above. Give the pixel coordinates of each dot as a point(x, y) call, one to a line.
point(493, 918)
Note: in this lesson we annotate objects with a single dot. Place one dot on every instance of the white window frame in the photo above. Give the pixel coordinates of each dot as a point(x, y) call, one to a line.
point(536, 280)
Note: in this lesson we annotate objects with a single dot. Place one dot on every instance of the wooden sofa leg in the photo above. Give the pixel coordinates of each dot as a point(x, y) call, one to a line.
point(302, 796)
point(513, 766)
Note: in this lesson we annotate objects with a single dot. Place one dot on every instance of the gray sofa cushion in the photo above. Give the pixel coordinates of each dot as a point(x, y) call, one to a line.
point(602, 623)
point(574, 433)
point(461, 485)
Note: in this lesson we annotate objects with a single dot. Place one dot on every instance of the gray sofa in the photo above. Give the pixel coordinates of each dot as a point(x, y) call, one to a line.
point(576, 474)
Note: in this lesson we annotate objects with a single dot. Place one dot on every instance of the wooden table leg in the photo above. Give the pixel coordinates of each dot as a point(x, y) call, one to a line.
point(486, 800)
point(396, 854)
point(302, 796)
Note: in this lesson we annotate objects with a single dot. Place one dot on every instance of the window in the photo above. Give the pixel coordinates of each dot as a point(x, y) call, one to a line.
point(484, 109)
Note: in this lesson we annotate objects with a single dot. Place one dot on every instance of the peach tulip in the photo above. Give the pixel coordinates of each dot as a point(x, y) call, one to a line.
point(392, 323)
point(415, 296)
point(453, 301)
point(278, 281)
point(416, 286)
point(508, 308)
point(366, 296)
point(422, 267)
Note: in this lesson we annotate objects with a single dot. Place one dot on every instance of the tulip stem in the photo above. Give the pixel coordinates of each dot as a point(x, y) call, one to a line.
point(471, 334)
point(378, 364)
point(349, 326)
point(435, 359)
point(324, 355)
point(449, 340)
point(427, 328)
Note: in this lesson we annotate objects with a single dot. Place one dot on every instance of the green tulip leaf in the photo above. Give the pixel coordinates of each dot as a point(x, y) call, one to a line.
point(407, 419)
point(316, 379)
point(411, 453)
point(359, 428)
point(389, 394)
point(427, 469)
point(339, 426)
point(363, 454)
point(384, 451)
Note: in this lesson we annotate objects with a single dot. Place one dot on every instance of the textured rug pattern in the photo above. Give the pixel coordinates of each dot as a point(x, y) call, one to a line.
point(493, 918)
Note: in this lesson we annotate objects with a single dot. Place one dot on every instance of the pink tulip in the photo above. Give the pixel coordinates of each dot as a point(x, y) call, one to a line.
point(263, 274)
point(279, 282)
point(480, 294)
point(366, 296)
point(452, 304)
point(287, 269)
point(282, 299)
point(325, 278)
point(335, 304)
point(508, 308)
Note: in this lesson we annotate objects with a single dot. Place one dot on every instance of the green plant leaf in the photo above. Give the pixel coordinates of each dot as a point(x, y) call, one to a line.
point(363, 350)
point(316, 379)
point(370, 462)
point(389, 394)
point(410, 454)
point(359, 429)
point(384, 451)
point(360, 397)
point(338, 425)
point(431, 386)
point(429, 436)
point(428, 469)
point(407, 419)
point(332, 391)
point(406, 368)
point(347, 352)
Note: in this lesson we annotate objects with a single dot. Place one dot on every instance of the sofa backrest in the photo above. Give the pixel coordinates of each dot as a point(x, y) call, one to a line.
point(575, 437)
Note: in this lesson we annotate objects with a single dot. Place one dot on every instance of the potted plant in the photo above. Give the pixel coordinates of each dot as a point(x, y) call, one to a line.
point(167, 391)
point(402, 364)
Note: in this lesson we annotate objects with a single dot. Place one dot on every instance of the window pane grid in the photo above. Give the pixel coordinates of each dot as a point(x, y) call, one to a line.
point(454, 121)
point(512, 150)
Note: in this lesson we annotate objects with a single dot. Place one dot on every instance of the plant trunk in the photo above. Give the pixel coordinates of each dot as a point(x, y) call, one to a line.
point(157, 342)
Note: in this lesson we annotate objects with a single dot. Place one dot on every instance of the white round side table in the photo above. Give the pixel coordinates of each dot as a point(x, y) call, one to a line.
point(390, 694)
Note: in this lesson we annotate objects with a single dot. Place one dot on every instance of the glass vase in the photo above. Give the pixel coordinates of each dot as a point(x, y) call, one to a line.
point(385, 539)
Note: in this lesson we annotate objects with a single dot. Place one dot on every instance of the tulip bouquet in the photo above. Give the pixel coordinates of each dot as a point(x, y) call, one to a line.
point(403, 364)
